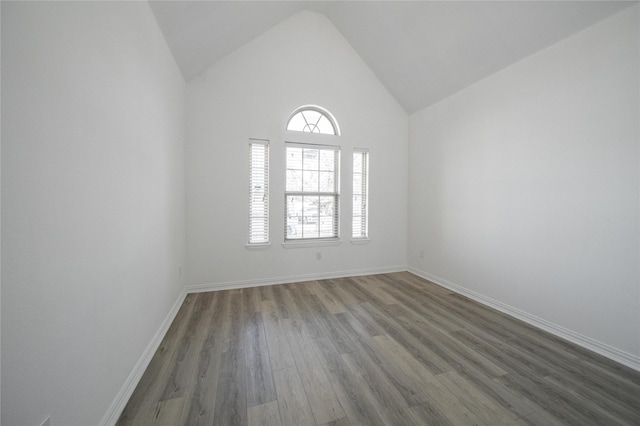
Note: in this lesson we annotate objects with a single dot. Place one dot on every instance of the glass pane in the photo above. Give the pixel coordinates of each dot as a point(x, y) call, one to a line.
point(310, 159)
point(296, 123)
point(258, 190)
point(294, 217)
point(358, 227)
point(258, 223)
point(327, 206)
point(326, 228)
point(258, 176)
point(310, 181)
point(311, 116)
point(294, 158)
point(258, 152)
point(325, 126)
point(357, 162)
point(258, 208)
point(294, 180)
point(311, 208)
point(258, 230)
point(259, 186)
point(357, 184)
point(327, 182)
point(310, 216)
point(311, 230)
point(327, 159)
point(328, 224)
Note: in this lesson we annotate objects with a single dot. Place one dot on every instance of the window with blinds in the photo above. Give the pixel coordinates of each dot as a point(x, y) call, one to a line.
point(312, 192)
point(258, 191)
point(360, 218)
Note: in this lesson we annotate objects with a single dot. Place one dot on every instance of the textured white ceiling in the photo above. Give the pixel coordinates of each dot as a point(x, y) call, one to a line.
point(422, 51)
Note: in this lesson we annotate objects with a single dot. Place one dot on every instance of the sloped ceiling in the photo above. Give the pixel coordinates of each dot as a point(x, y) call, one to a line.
point(422, 51)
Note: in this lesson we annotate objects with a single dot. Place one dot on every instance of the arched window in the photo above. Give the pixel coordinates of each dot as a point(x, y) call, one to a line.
point(313, 119)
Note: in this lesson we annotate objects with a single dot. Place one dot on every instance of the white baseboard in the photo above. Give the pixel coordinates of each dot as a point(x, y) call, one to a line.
point(630, 360)
point(117, 406)
point(292, 279)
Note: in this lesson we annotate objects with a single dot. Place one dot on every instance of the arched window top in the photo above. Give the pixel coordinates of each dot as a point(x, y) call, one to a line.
point(313, 119)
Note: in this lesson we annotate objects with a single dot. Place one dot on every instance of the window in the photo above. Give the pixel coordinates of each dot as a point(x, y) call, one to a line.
point(312, 192)
point(258, 191)
point(360, 219)
point(313, 119)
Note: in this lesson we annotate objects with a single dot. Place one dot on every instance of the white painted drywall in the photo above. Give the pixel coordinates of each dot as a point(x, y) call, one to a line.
point(250, 94)
point(92, 202)
point(524, 187)
point(0, 232)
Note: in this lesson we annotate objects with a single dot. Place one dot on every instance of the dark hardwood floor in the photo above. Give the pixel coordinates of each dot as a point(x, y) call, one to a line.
point(389, 349)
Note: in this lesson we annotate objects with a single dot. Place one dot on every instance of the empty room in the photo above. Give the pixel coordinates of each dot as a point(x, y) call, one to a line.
point(320, 213)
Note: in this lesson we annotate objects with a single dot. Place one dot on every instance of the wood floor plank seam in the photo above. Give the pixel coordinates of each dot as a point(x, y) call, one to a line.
point(385, 349)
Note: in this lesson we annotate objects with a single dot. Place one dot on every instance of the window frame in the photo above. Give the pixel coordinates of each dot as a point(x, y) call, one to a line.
point(264, 167)
point(363, 192)
point(335, 226)
point(323, 113)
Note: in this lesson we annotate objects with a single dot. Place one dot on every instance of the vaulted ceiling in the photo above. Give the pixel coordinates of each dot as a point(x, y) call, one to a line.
point(422, 51)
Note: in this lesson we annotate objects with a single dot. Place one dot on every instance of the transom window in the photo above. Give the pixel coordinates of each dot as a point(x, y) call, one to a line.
point(312, 191)
point(313, 119)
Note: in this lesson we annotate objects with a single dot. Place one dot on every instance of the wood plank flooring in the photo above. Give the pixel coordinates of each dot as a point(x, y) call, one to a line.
point(390, 349)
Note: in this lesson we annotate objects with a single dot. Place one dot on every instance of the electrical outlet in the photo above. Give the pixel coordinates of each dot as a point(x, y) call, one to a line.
point(421, 254)
point(179, 271)
point(318, 255)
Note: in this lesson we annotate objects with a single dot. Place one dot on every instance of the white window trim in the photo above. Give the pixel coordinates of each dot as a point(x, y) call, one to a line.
point(320, 242)
point(316, 242)
point(360, 240)
point(257, 246)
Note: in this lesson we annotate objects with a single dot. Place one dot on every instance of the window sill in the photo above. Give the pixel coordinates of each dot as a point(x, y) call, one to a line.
point(316, 243)
point(261, 246)
point(360, 241)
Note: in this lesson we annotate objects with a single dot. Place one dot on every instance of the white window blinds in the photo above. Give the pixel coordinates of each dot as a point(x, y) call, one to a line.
point(258, 191)
point(360, 218)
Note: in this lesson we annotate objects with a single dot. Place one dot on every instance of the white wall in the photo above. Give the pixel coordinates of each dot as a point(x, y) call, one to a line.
point(250, 94)
point(92, 203)
point(524, 188)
